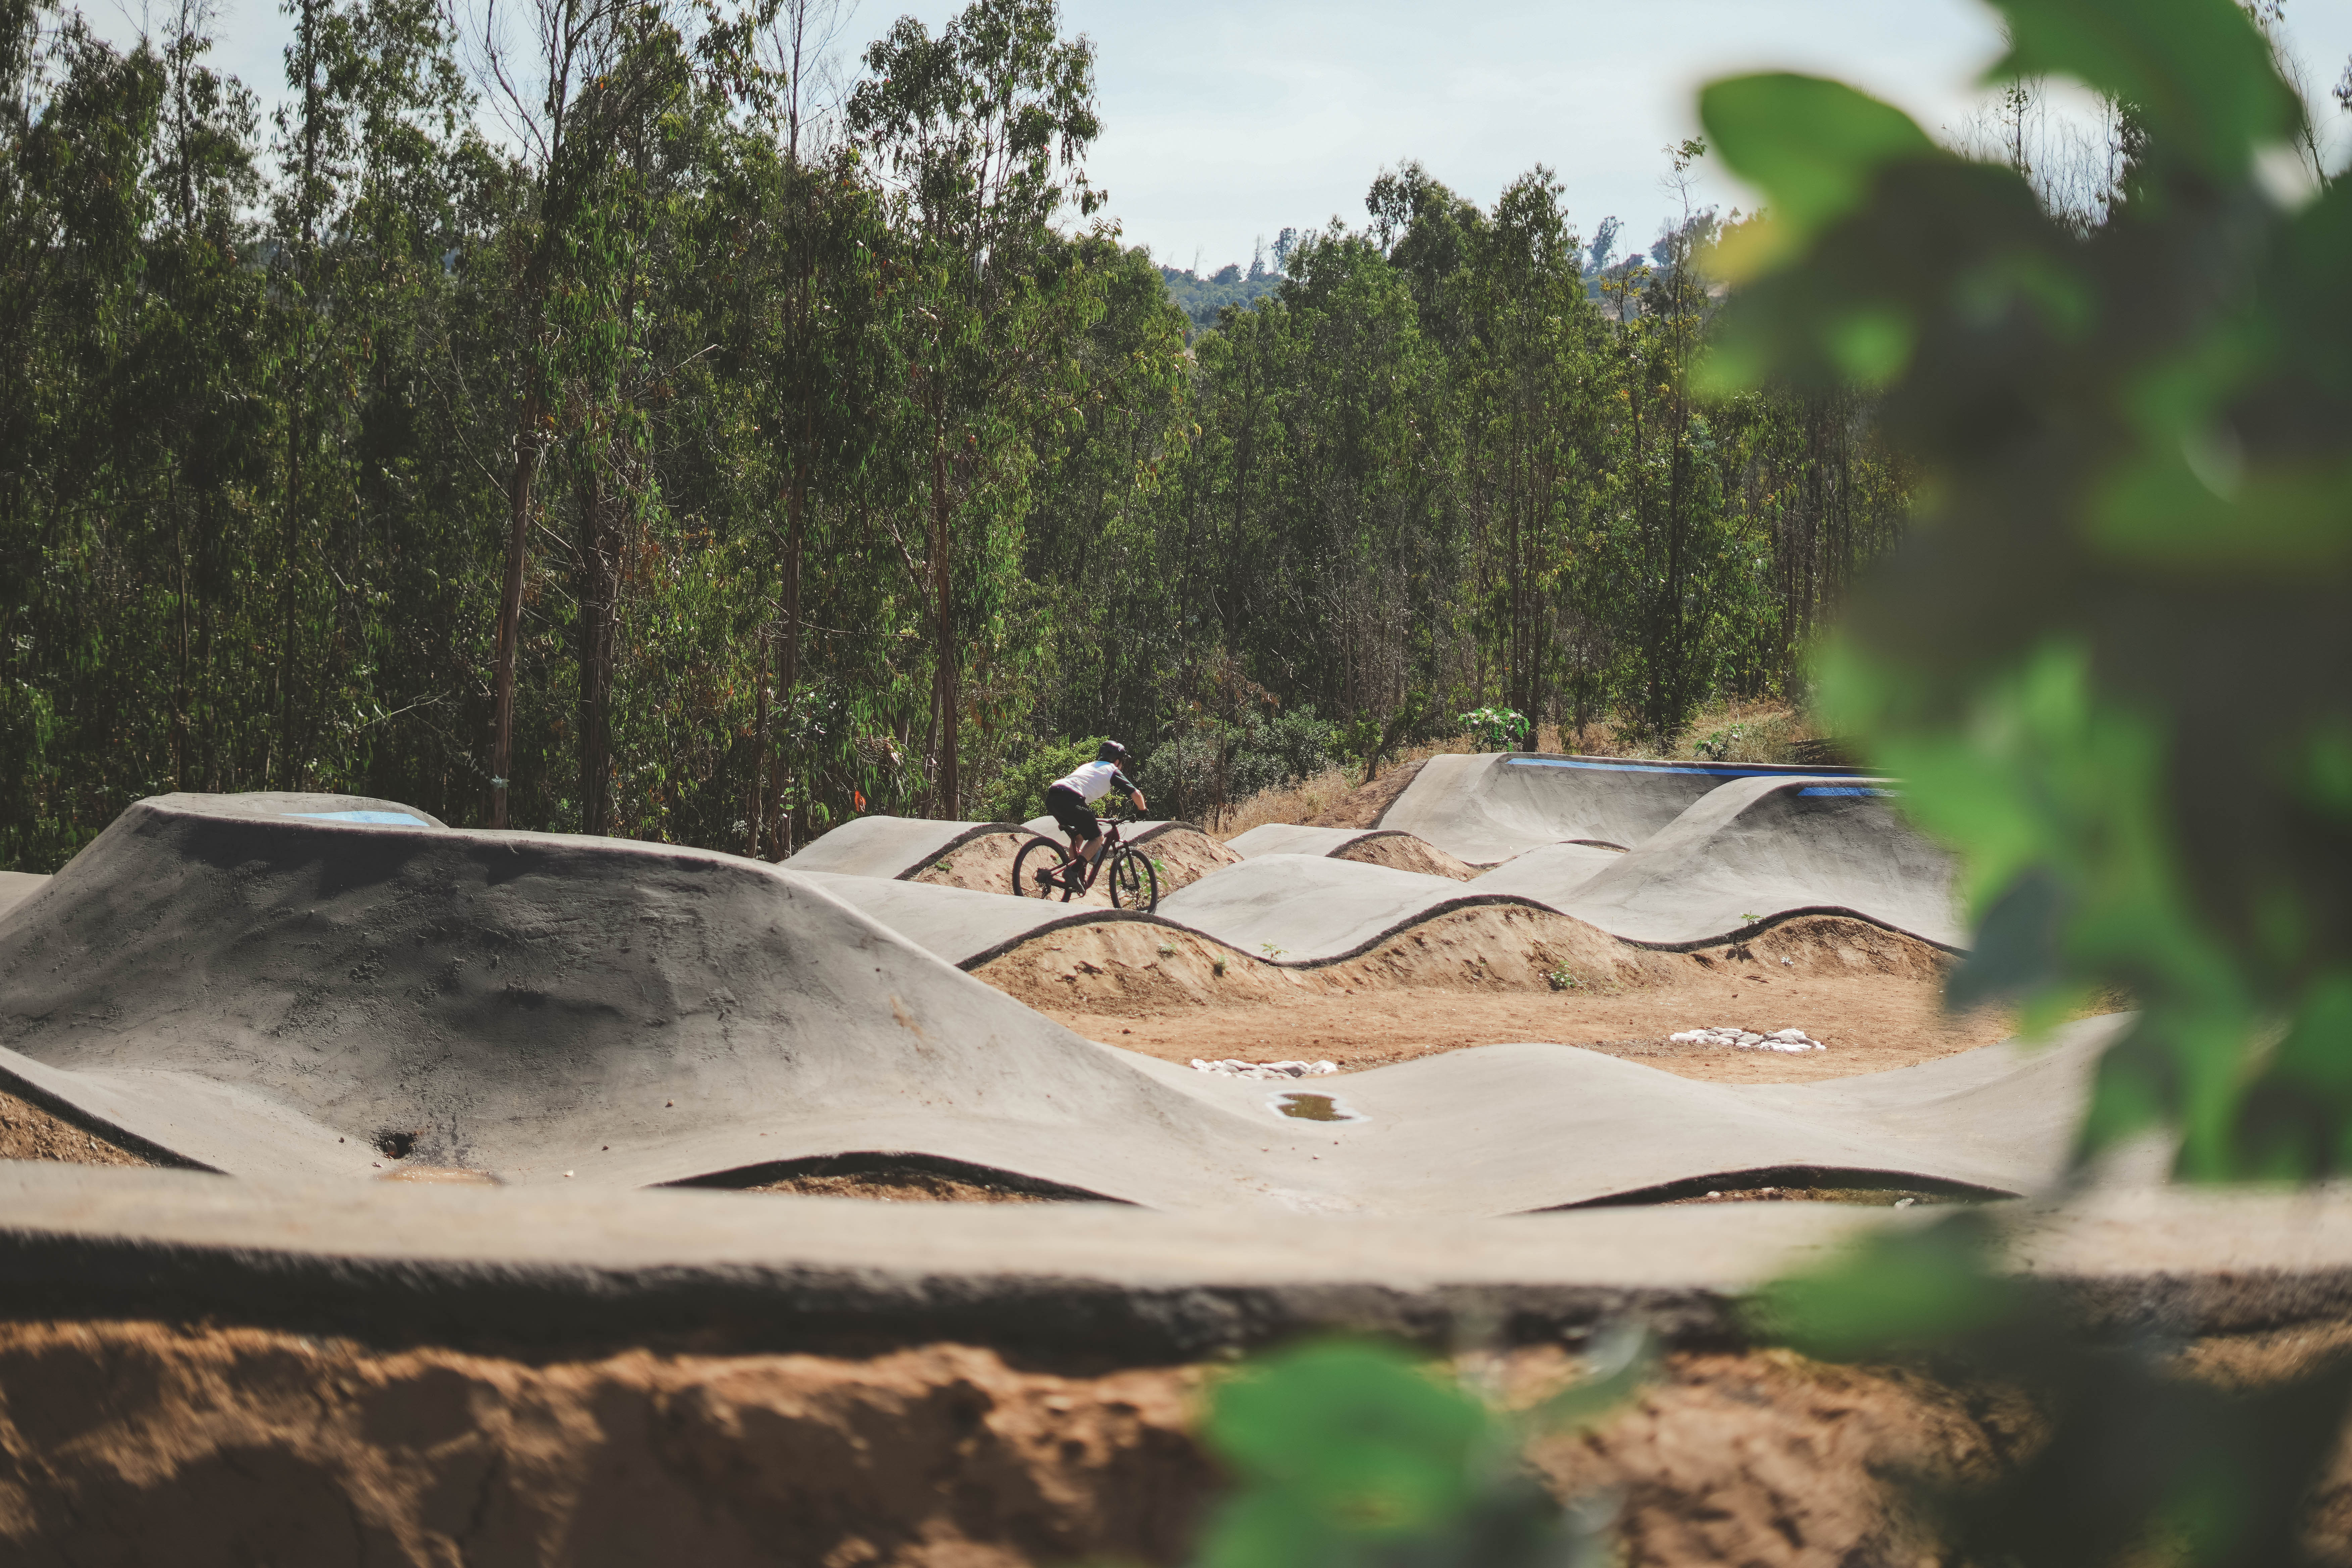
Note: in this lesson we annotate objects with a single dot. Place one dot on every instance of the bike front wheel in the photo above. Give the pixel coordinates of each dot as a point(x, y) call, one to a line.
point(1134, 882)
point(1037, 870)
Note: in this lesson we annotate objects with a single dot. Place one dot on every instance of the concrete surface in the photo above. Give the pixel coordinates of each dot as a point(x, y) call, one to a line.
point(890, 846)
point(269, 993)
point(1303, 910)
point(538, 1266)
point(15, 887)
point(1761, 848)
point(961, 925)
point(1487, 807)
point(1295, 838)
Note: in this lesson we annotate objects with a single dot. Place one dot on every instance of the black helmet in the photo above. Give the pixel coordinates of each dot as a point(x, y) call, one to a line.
point(1110, 751)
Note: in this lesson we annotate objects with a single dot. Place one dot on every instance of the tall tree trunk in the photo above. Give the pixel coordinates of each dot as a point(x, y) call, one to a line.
point(289, 768)
point(596, 597)
point(943, 682)
point(510, 608)
point(789, 669)
point(755, 807)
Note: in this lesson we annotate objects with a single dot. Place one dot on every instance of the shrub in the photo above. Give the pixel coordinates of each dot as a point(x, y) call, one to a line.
point(1018, 793)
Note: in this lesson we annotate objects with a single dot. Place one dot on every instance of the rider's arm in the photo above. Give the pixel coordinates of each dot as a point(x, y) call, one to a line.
point(1120, 780)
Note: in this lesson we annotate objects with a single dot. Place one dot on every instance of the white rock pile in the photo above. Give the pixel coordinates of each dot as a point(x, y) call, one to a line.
point(1265, 1069)
point(1750, 1040)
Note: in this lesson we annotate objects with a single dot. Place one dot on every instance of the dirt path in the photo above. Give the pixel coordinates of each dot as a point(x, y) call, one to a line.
point(1870, 1024)
point(1488, 976)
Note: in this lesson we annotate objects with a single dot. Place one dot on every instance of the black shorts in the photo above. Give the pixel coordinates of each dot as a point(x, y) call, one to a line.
point(1076, 817)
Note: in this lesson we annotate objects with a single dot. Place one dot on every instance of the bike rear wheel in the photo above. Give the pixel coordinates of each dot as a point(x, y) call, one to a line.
point(1134, 881)
point(1039, 859)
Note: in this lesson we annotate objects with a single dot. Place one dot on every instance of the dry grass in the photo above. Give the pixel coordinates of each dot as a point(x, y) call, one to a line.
point(1728, 730)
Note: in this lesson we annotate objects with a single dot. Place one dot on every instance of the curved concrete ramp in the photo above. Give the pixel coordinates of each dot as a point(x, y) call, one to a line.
point(269, 996)
point(1550, 875)
point(15, 887)
point(1387, 846)
point(1303, 910)
point(890, 847)
point(1295, 838)
point(1763, 848)
point(281, 994)
point(1488, 807)
point(960, 926)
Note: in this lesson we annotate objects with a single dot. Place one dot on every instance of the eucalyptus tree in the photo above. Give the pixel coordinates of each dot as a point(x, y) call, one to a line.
point(370, 144)
point(584, 70)
point(981, 131)
point(1673, 546)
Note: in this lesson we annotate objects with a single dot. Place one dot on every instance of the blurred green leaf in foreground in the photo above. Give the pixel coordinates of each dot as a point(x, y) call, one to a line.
point(2114, 663)
point(1352, 1455)
point(2114, 666)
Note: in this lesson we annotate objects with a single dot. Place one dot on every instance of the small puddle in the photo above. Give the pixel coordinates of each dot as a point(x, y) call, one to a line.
point(1315, 1107)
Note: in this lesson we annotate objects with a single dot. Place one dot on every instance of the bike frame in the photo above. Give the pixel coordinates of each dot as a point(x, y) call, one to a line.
point(1112, 843)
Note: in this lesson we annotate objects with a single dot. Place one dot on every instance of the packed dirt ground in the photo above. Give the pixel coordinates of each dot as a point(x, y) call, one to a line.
point(1491, 976)
point(203, 1445)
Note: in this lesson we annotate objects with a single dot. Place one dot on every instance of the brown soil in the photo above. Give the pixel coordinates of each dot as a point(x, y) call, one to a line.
point(28, 1133)
point(910, 1187)
point(1362, 807)
point(1485, 976)
point(139, 1443)
point(1404, 852)
point(1768, 1458)
point(1180, 855)
point(1875, 1198)
point(136, 1442)
point(984, 865)
point(1185, 855)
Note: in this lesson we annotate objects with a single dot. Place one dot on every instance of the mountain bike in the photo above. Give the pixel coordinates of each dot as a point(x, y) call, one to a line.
point(1038, 871)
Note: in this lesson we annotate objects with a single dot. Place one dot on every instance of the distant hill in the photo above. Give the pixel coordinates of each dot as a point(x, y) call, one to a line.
point(1201, 297)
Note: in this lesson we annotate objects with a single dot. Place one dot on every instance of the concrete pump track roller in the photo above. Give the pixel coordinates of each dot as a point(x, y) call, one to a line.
point(1755, 851)
point(890, 847)
point(1372, 846)
point(282, 986)
point(1488, 807)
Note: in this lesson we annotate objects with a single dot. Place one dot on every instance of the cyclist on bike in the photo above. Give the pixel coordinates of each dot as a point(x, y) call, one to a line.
point(1071, 800)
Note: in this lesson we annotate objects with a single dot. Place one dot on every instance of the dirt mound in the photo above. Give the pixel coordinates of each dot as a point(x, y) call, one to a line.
point(28, 1133)
point(1832, 945)
point(1403, 852)
point(1141, 970)
point(1364, 804)
point(984, 865)
point(1138, 969)
point(139, 1443)
point(1185, 855)
point(1768, 1458)
point(1180, 855)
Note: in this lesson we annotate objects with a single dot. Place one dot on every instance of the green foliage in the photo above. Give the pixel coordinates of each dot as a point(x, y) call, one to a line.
point(1498, 729)
point(2107, 666)
point(1349, 1454)
point(2135, 1455)
point(2130, 750)
point(1017, 791)
point(1260, 751)
point(818, 476)
point(1204, 299)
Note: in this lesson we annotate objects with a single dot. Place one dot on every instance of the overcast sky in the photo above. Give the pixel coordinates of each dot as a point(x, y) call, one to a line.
point(1224, 121)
